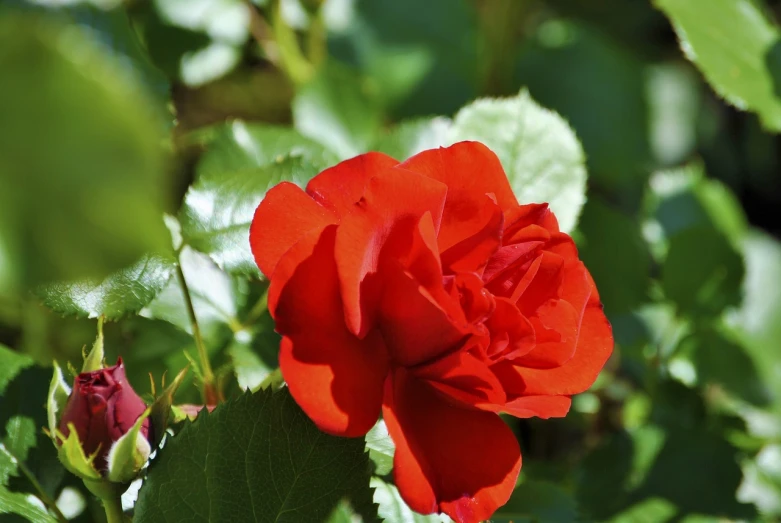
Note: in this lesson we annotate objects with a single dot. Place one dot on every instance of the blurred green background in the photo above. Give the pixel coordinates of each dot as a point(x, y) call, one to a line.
point(114, 112)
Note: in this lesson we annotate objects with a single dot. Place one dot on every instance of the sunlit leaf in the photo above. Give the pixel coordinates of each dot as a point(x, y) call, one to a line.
point(541, 155)
point(736, 47)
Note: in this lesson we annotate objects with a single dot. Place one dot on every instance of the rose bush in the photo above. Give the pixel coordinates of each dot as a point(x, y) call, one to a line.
point(102, 408)
point(425, 291)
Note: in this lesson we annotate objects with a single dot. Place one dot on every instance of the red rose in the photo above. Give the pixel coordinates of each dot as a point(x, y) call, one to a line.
point(423, 289)
point(103, 407)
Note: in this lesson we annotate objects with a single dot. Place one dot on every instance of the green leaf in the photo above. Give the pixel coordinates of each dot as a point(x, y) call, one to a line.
point(215, 298)
point(758, 320)
point(735, 47)
point(255, 458)
point(702, 273)
point(124, 292)
point(651, 510)
point(249, 367)
point(540, 153)
point(241, 163)
point(381, 448)
point(335, 109)
point(685, 197)
point(608, 110)
point(19, 438)
point(720, 360)
point(11, 364)
point(762, 481)
point(81, 165)
point(392, 507)
point(697, 470)
point(418, 65)
point(614, 252)
point(538, 501)
point(411, 137)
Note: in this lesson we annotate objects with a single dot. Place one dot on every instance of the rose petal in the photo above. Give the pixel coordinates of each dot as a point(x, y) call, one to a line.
point(284, 216)
point(470, 170)
point(481, 237)
point(595, 344)
point(394, 201)
point(339, 187)
point(448, 459)
point(512, 335)
point(336, 378)
point(538, 406)
point(464, 378)
point(416, 328)
point(536, 217)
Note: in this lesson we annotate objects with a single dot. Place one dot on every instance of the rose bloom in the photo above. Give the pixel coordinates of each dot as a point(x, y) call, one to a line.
point(424, 291)
point(102, 407)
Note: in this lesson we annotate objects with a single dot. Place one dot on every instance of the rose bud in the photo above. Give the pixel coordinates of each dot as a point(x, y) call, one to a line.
point(102, 408)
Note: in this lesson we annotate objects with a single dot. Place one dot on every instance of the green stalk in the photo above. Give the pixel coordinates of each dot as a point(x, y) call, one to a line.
point(113, 507)
point(210, 394)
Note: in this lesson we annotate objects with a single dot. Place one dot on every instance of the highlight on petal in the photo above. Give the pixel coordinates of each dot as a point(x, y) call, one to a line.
point(339, 187)
point(336, 378)
point(448, 459)
point(284, 216)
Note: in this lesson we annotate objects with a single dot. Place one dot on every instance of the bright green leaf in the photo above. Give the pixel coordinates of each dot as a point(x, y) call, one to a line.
point(20, 435)
point(392, 507)
point(255, 458)
point(241, 163)
point(215, 298)
point(249, 367)
point(124, 292)
point(540, 153)
point(11, 364)
point(758, 320)
point(737, 49)
point(82, 184)
point(19, 438)
point(336, 110)
point(411, 137)
point(381, 448)
point(538, 501)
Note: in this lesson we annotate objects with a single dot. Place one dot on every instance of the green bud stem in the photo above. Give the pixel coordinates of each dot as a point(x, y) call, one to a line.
point(211, 395)
point(110, 495)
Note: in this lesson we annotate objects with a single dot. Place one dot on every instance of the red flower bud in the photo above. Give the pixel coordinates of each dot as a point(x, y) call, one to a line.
point(102, 407)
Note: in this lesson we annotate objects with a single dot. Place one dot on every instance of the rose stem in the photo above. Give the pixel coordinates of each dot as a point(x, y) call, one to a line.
point(113, 507)
point(210, 395)
point(47, 500)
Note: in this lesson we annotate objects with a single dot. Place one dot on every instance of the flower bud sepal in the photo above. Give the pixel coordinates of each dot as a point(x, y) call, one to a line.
point(129, 453)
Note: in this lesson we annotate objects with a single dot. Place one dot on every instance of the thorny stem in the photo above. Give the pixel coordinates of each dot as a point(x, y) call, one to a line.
point(210, 394)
